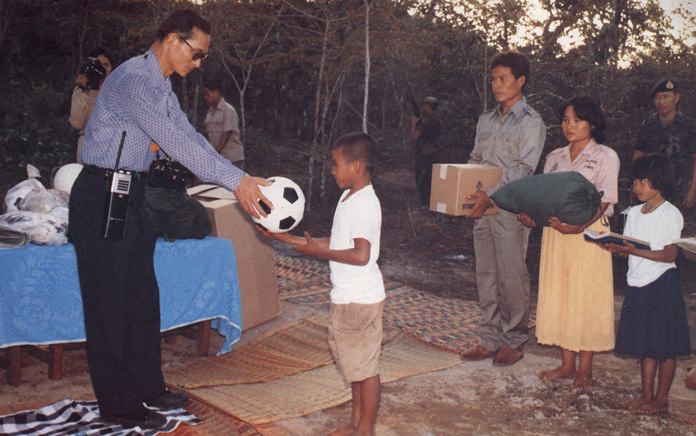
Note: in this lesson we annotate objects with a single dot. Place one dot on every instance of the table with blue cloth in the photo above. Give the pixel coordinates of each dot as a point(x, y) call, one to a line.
point(40, 302)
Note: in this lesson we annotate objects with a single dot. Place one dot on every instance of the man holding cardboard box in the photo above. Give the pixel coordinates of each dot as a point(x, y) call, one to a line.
point(511, 136)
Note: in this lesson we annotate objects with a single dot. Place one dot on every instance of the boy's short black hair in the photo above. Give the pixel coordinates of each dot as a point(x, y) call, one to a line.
point(182, 22)
point(587, 110)
point(516, 61)
point(659, 172)
point(212, 85)
point(358, 146)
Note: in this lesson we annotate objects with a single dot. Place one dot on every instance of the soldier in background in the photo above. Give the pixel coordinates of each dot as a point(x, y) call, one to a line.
point(425, 128)
point(671, 133)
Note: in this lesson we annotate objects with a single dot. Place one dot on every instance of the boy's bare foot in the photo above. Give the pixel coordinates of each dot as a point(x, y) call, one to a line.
point(653, 408)
point(556, 373)
point(634, 403)
point(346, 430)
point(582, 381)
point(364, 431)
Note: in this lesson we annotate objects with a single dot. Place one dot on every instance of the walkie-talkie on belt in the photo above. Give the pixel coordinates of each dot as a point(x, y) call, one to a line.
point(116, 204)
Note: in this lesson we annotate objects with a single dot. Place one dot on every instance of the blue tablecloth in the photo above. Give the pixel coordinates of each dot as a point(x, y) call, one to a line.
point(40, 299)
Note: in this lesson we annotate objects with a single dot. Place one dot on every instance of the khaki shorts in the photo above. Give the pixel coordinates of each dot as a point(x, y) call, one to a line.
point(355, 338)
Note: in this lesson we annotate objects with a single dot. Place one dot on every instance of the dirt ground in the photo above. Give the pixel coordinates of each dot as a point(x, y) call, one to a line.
point(469, 398)
point(434, 252)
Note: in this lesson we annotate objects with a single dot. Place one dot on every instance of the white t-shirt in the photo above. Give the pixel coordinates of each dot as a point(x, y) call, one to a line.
point(358, 216)
point(660, 227)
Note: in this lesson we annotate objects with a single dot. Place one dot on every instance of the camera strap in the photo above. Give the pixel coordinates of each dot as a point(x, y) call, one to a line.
point(165, 153)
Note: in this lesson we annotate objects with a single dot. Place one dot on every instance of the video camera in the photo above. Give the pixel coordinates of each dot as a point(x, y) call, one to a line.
point(94, 72)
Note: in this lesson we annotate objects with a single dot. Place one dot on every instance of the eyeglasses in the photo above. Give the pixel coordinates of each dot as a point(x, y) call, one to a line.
point(196, 53)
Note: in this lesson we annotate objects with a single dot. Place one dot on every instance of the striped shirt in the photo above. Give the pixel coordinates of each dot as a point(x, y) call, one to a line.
point(138, 99)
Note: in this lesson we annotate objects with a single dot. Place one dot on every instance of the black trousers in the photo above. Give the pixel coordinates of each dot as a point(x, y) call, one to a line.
point(423, 172)
point(120, 299)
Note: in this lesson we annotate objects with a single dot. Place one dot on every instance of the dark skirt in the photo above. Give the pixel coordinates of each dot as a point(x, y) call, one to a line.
point(653, 320)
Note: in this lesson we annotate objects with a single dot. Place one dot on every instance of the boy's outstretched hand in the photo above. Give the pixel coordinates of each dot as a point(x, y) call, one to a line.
point(311, 247)
point(282, 237)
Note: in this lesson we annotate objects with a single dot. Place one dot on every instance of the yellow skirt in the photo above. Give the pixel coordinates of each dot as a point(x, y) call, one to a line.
point(576, 292)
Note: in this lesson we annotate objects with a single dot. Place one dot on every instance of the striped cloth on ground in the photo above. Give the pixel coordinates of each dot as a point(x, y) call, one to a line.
point(71, 417)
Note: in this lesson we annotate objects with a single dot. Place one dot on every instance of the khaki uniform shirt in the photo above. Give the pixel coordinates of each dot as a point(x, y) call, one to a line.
point(80, 107)
point(219, 120)
point(512, 141)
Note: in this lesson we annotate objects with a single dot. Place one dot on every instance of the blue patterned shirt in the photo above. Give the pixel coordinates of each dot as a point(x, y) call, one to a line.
point(137, 98)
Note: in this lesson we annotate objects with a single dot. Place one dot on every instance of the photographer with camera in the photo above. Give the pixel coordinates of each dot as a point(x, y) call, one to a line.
point(115, 245)
point(91, 75)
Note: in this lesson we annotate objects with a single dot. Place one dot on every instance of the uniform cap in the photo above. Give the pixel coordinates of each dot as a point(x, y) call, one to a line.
point(664, 85)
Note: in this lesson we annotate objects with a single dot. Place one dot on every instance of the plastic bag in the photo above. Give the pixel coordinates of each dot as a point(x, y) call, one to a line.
point(43, 228)
point(16, 194)
point(40, 213)
point(44, 201)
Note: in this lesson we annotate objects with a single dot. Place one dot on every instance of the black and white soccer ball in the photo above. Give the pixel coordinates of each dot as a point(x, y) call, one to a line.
point(288, 205)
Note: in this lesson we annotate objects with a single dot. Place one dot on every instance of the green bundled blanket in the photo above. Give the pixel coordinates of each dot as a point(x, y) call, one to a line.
point(569, 196)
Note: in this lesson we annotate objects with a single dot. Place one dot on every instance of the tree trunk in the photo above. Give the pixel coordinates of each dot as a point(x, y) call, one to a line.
point(485, 73)
point(82, 33)
point(367, 65)
point(317, 111)
point(6, 12)
point(246, 74)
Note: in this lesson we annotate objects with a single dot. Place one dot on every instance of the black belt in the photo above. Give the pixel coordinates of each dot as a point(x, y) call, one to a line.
point(107, 173)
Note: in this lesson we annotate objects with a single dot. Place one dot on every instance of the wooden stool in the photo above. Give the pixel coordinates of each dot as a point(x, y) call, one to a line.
point(18, 356)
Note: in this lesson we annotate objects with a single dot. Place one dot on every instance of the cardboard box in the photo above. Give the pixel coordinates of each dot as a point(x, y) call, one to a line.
point(452, 183)
point(255, 262)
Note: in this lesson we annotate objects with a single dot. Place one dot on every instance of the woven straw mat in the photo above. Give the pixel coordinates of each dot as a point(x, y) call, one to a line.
point(298, 347)
point(318, 389)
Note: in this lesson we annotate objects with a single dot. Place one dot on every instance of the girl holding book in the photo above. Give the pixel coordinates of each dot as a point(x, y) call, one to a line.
point(653, 324)
point(576, 293)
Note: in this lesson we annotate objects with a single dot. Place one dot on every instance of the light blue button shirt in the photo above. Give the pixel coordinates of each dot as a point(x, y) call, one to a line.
point(512, 141)
point(137, 98)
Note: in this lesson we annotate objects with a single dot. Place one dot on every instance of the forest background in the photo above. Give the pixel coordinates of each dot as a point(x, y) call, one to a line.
point(297, 71)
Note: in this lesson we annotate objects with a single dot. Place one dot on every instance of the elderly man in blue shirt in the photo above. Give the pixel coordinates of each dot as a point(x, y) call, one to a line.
point(510, 136)
point(119, 288)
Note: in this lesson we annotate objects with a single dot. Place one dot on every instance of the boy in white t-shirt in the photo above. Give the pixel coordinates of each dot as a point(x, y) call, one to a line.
point(357, 294)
